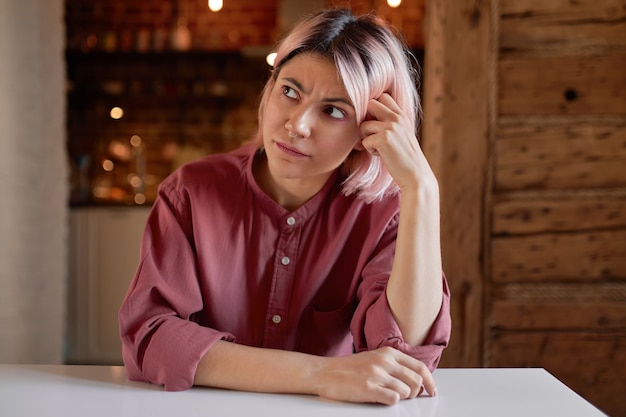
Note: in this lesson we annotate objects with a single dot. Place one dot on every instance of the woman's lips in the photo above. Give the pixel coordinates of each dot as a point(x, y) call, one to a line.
point(290, 151)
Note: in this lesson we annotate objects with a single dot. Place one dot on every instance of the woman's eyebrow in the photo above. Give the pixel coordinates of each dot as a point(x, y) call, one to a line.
point(297, 84)
point(326, 99)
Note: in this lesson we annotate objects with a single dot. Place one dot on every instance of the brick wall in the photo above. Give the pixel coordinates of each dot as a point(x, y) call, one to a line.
point(184, 96)
point(408, 18)
point(188, 80)
point(114, 25)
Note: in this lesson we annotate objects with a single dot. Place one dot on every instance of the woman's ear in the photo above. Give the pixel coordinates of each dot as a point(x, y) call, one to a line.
point(359, 145)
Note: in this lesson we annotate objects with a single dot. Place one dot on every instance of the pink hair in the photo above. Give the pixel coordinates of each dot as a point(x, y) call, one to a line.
point(371, 60)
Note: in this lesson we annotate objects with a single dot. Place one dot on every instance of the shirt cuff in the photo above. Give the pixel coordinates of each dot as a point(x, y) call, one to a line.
point(381, 329)
point(172, 357)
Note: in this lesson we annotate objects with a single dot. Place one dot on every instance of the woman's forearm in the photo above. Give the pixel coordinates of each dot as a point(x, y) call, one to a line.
point(244, 368)
point(415, 289)
point(384, 375)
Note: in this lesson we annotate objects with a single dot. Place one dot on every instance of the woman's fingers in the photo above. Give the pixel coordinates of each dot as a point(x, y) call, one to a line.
point(385, 375)
point(388, 133)
point(386, 128)
point(383, 107)
point(426, 379)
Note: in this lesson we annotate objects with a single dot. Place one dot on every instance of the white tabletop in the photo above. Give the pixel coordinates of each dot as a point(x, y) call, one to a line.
point(78, 391)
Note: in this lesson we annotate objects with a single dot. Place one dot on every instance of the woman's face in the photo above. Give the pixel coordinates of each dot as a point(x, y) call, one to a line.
point(309, 102)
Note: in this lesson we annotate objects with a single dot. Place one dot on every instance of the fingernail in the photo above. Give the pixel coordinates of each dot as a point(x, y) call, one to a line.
point(435, 392)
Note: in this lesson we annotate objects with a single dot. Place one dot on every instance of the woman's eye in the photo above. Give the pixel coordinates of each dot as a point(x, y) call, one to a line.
point(335, 113)
point(289, 92)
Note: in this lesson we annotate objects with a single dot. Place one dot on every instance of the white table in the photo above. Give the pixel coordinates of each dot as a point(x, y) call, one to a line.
point(78, 391)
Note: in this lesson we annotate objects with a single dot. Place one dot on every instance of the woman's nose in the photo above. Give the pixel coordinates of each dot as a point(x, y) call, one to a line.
point(300, 122)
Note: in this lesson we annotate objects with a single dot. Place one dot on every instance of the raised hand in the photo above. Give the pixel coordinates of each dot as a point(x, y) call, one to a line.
point(388, 133)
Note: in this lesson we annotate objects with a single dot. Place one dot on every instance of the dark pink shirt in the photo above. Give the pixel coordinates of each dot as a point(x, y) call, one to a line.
point(221, 260)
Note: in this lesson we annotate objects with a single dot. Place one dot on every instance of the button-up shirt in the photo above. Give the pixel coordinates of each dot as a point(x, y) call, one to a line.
point(220, 260)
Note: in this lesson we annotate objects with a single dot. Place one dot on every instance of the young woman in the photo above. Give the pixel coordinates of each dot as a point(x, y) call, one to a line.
point(307, 261)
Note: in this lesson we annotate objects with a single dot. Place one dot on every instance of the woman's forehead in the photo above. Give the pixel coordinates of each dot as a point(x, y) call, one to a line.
point(310, 58)
point(310, 67)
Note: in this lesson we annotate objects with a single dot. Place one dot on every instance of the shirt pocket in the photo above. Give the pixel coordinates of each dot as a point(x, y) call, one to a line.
point(326, 333)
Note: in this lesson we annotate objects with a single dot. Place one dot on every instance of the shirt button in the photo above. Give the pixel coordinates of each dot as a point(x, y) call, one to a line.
point(291, 220)
point(285, 261)
point(276, 319)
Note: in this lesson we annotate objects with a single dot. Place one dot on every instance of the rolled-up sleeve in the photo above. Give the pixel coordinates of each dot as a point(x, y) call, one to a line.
point(373, 324)
point(379, 328)
point(161, 344)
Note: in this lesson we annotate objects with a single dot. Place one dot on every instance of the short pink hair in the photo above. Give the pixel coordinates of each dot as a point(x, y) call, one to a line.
point(371, 59)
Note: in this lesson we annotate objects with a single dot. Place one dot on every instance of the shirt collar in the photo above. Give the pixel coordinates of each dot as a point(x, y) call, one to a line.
point(276, 210)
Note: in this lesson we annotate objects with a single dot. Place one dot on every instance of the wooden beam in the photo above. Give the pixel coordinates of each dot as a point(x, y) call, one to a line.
point(557, 26)
point(575, 256)
point(543, 214)
point(455, 140)
point(559, 316)
point(562, 85)
point(568, 155)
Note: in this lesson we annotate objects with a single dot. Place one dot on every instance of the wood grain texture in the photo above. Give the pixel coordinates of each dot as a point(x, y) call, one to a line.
point(556, 248)
point(585, 256)
point(455, 141)
point(568, 155)
point(585, 212)
point(562, 85)
point(547, 315)
point(559, 25)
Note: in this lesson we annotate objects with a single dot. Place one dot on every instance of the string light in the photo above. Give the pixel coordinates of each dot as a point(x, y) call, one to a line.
point(216, 5)
point(270, 58)
point(394, 3)
point(116, 113)
point(108, 165)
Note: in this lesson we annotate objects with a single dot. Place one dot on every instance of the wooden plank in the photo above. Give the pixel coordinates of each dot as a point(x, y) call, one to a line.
point(590, 363)
point(569, 155)
point(588, 256)
point(532, 216)
point(455, 137)
point(536, 25)
point(562, 85)
point(549, 315)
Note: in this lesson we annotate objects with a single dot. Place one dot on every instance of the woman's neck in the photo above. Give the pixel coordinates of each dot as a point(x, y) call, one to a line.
point(288, 193)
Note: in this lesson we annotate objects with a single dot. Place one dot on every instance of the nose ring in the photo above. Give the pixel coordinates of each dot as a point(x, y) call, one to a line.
point(293, 135)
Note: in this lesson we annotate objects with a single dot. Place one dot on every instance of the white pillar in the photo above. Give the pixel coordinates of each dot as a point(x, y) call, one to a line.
point(33, 181)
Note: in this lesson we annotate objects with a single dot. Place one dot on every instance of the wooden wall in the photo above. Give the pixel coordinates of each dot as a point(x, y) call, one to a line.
point(557, 246)
point(545, 284)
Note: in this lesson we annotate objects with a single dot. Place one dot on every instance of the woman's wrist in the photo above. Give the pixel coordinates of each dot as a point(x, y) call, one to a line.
point(425, 192)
